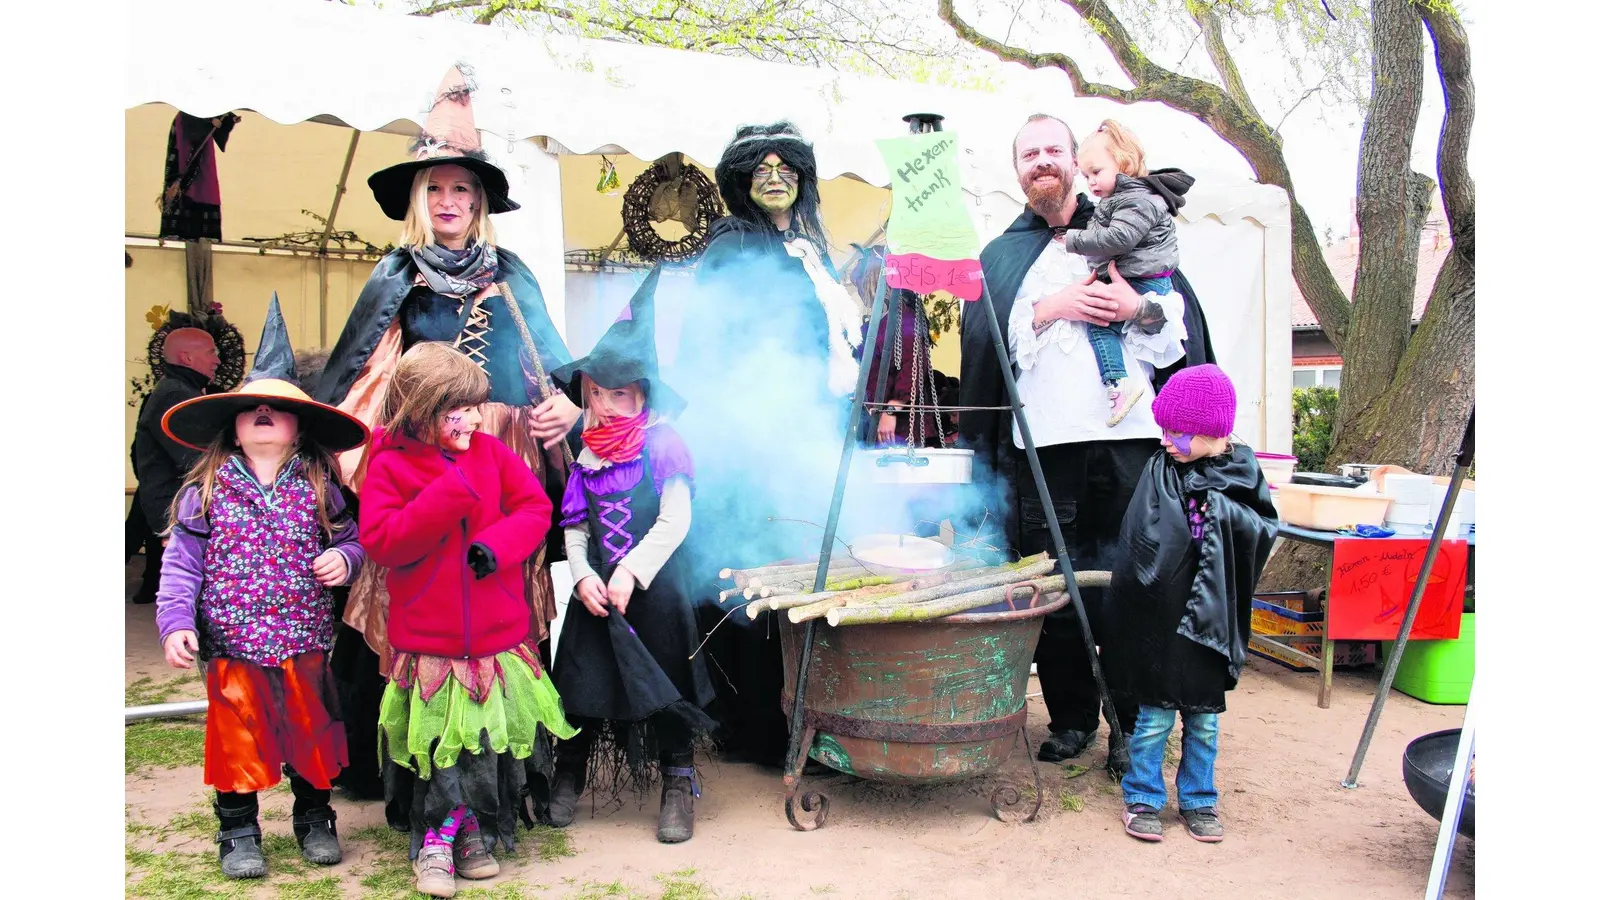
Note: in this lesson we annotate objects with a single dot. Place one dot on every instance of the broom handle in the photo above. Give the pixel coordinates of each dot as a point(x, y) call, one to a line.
point(546, 389)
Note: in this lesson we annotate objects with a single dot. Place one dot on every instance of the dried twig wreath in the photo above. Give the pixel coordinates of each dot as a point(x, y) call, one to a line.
point(670, 190)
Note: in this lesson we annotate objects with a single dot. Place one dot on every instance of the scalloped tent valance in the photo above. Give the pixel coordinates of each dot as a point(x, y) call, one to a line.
point(299, 60)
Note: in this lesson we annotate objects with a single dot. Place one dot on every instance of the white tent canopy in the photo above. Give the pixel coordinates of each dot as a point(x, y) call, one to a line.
point(544, 96)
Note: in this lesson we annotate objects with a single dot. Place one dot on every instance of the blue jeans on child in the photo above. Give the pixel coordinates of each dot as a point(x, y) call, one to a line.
point(1106, 340)
point(1147, 748)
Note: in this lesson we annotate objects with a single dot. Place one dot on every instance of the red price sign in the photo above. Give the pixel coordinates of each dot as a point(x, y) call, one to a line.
point(1372, 583)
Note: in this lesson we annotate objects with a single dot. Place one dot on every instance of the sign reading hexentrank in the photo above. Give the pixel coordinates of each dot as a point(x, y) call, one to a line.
point(933, 245)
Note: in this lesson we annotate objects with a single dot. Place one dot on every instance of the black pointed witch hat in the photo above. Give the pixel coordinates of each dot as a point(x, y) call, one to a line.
point(195, 423)
point(627, 352)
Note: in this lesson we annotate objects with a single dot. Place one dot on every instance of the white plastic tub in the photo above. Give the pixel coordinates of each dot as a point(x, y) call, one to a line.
point(1328, 508)
point(1278, 468)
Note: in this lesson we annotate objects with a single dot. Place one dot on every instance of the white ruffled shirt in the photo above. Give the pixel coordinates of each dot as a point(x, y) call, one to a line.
point(1058, 380)
point(844, 325)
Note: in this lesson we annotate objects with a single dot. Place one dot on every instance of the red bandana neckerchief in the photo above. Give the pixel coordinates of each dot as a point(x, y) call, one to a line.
point(619, 440)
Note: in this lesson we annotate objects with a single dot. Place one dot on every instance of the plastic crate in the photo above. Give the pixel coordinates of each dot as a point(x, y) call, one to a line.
point(1294, 601)
point(1346, 654)
point(1265, 621)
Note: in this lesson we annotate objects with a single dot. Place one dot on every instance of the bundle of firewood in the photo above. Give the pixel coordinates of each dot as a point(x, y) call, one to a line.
point(854, 596)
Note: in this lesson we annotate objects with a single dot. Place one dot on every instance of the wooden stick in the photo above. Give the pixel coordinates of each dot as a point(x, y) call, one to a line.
point(965, 570)
point(939, 608)
point(950, 589)
point(815, 610)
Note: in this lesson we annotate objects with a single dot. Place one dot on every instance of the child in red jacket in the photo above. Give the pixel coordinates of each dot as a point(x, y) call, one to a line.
point(453, 515)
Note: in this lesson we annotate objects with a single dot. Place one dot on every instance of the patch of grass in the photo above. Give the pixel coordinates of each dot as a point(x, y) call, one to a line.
point(147, 691)
point(683, 885)
point(390, 874)
point(283, 855)
point(823, 889)
point(195, 823)
point(274, 815)
point(1071, 802)
point(180, 876)
point(165, 744)
point(593, 890)
point(1074, 770)
point(1110, 790)
point(326, 888)
point(549, 844)
point(509, 890)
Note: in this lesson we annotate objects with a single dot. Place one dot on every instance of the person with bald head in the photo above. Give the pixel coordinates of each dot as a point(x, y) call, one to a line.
point(159, 462)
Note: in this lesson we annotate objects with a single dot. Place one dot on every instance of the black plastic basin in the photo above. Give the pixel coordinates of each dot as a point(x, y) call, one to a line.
point(1426, 767)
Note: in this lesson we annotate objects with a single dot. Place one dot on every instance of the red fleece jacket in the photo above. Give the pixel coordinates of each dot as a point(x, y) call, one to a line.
point(421, 510)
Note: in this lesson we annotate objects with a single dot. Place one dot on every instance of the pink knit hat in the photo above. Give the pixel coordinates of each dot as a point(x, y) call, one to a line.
point(1197, 400)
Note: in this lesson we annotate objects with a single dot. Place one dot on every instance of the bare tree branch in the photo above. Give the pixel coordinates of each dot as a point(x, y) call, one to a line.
point(1454, 61)
point(1296, 105)
point(1211, 28)
point(1080, 86)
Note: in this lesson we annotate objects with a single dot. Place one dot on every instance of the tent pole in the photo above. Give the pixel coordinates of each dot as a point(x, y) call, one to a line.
point(327, 232)
point(1392, 664)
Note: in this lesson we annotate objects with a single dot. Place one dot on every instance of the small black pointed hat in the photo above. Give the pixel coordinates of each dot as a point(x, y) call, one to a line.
point(627, 352)
point(194, 423)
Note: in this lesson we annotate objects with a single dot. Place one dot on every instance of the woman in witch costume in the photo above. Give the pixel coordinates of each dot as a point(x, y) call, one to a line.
point(449, 281)
point(626, 666)
point(766, 349)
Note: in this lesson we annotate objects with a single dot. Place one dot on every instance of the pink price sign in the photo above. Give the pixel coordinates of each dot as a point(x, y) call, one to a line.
point(923, 275)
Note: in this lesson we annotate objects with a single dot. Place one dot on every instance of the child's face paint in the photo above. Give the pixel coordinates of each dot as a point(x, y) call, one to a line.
point(615, 403)
point(1190, 447)
point(457, 426)
point(264, 428)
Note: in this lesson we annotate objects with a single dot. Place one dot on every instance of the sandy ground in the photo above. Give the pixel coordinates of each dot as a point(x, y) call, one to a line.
point(1292, 831)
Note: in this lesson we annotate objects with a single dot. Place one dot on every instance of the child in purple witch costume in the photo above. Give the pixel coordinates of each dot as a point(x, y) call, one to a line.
point(260, 538)
point(625, 664)
point(1194, 540)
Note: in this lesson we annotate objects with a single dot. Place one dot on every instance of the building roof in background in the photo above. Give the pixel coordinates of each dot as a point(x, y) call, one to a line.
point(1342, 260)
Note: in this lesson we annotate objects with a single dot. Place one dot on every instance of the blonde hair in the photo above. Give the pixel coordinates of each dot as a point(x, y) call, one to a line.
point(322, 470)
point(417, 230)
point(1123, 147)
point(431, 379)
point(591, 419)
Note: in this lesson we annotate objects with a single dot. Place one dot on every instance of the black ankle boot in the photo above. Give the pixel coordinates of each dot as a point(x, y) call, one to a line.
point(679, 788)
point(239, 838)
point(313, 821)
point(564, 794)
point(318, 839)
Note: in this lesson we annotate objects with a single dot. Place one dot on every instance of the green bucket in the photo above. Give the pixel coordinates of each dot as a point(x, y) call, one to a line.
point(1438, 671)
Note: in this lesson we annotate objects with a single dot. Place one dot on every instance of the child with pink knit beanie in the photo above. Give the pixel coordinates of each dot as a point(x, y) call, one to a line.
point(1194, 541)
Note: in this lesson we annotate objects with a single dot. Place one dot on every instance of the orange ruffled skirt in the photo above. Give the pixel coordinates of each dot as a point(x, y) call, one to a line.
point(260, 718)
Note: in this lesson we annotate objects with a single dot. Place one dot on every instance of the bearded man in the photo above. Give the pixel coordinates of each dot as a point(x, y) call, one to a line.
point(1044, 298)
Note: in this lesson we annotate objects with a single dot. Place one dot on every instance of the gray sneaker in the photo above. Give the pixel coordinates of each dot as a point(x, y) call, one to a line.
point(1203, 824)
point(1141, 821)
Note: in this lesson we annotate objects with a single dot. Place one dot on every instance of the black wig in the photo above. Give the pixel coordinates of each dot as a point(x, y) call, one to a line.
point(750, 145)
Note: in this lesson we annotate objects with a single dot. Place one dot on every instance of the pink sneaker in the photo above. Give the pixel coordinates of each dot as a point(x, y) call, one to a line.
point(1122, 394)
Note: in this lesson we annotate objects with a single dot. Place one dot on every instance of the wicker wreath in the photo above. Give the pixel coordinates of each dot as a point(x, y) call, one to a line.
point(656, 196)
point(230, 349)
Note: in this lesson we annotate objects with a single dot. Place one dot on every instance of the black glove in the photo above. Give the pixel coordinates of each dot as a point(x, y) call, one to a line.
point(481, 559)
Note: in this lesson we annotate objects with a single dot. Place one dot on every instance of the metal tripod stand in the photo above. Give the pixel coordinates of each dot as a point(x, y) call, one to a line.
point(1118, 758)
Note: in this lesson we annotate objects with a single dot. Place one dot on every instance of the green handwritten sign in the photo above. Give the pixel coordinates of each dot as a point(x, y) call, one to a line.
point(933, 245)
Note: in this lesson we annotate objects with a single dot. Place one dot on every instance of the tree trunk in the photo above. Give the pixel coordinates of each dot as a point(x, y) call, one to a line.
point(1387, 200)
point(1404, 399)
